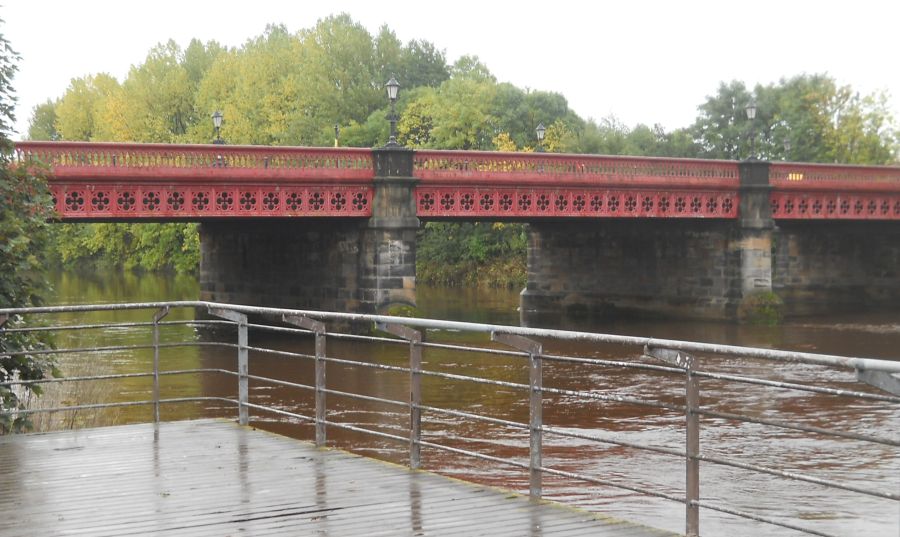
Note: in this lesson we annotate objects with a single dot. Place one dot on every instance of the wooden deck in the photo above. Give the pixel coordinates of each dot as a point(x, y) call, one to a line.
point(215, 478)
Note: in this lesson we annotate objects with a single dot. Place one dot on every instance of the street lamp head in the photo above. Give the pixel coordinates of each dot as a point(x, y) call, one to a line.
point(393, 88)
point(540, 130)
point(751, 110)
point(787, 146)
point(217, 119)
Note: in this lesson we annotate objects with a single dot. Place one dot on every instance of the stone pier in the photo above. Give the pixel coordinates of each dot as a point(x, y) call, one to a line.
point(704, 269)
point(361, 265)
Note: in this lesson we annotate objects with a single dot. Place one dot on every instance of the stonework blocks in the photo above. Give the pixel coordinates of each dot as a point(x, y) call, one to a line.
point(686, 269)
point(837, 266)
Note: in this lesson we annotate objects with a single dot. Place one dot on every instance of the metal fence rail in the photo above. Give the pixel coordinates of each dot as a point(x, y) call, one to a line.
point(878, 382)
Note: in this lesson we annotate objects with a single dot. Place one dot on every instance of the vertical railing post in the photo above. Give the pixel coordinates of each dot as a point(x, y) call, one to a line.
point(157, 317)
point(692, 433)
point(318, 328)
point(692, 443)
point(415, 400)
point(535, 407)
point(243, 371)
point(243, 360)
point(415, 388)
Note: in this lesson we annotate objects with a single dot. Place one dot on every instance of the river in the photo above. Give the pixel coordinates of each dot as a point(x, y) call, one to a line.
point(875, 335)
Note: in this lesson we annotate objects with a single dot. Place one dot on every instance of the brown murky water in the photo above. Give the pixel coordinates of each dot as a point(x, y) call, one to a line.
point(806, 505)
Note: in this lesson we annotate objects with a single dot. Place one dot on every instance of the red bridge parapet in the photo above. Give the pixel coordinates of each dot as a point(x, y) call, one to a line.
point(830, 191)
point(113, 181)
point(473, 184)
point(171, 181)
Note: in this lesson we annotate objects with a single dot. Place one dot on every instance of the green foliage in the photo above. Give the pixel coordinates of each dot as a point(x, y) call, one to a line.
point(152, 247)
point(87, 107)
point(822, 121)
point(155, 103)
point(459, 254)
point(24, 210)
point(469, 110)
point(43, 122)
point(764, 308)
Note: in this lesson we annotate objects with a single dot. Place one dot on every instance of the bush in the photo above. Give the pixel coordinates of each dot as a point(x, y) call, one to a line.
point(24, 210)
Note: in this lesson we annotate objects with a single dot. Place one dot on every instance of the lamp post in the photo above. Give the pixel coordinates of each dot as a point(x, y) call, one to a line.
point(540, 130)
point(787, 148)
point(393, 88)
point(217, 123)
point(751, 115)
point(337, 134)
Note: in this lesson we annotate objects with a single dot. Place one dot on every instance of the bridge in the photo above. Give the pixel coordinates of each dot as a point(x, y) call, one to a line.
point(334, 228)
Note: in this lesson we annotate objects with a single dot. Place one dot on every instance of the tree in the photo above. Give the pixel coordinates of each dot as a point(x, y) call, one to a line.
point(722, 129)
point(825, 122)
point(388, 53)
point(559, 138)
point(80, 109)
point(821, 120)
point(423, 65)
point(24, 209)
point(43, 122)
point(154, 104)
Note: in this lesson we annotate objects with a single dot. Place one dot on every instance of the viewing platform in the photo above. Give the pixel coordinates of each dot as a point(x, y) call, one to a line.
point(715, 439)
point(216, 478)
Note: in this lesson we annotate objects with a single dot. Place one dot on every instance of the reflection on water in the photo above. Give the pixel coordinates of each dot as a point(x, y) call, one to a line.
point(837, 512)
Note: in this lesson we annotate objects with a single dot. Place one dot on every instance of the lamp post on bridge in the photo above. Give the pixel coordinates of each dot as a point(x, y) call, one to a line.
point(540, 131)
point(751, 115)
point(755, 232)
point(389, 239)
point(393, 88)
point(217, 124)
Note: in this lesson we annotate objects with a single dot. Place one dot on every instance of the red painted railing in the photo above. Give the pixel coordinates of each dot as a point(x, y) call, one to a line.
point(834, 192)
point(471, 184)
point(541, 168)
point(171, 181)
point(806, 176)
point(99, 160)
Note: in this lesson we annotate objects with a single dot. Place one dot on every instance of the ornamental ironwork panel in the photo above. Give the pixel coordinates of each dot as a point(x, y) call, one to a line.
point(191, 202)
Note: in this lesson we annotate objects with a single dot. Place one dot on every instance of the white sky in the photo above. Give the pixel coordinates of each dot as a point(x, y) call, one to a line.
point(642, 61)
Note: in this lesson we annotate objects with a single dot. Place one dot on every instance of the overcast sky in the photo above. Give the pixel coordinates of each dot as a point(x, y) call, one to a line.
point(641, 61)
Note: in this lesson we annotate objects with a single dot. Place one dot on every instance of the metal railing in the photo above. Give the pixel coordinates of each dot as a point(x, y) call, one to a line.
point(878, 383)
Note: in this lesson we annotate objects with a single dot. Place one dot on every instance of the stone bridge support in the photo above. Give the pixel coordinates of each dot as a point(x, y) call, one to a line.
point(689, 268)
point(359, 266)
point(837, 266)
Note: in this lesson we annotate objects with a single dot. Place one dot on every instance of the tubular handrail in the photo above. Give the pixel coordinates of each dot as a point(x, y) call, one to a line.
point(114, 159)
point(843, 362)
point(657, 356)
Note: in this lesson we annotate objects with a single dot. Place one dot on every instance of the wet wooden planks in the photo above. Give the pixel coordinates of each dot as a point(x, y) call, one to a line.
point(214, 478)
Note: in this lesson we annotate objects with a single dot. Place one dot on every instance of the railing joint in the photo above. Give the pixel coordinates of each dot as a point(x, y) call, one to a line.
point(401, 331)
point(158, 315)
point(243, 360)
point(669, 356)
point(302, 321)
point(318, 328)
point(882, 380)
point(535, 406)
point(415, 387)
